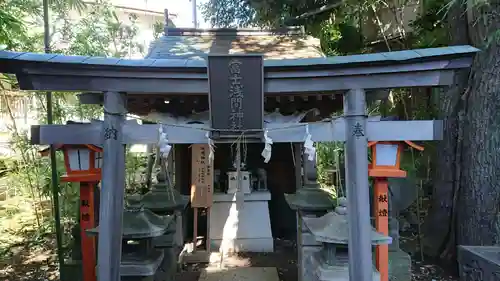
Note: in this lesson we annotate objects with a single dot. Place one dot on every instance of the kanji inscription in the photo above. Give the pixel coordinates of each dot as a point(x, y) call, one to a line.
point(236, 94)
point(358, 130)
point(110, 133)
point(85, 217)
point(382, 198)
point(383, 213)
point(201, 177)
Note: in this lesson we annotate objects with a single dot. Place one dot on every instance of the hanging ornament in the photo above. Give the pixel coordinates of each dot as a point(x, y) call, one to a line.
point(211, 146)
point(163, 144)
point(309, 148)
point(267, 151)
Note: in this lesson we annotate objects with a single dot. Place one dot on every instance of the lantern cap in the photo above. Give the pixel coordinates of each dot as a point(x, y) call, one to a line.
point(310, 199)
point(46, 150)
point(161, 198)
point(167, 240)
point(332, 228)
point(140, 223)
point(409, 143)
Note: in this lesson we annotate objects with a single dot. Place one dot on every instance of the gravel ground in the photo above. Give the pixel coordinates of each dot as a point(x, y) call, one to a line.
point(28, 263)
point(285, 260)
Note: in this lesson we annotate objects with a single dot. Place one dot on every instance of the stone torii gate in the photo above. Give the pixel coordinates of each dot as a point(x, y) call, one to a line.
point(111, 79)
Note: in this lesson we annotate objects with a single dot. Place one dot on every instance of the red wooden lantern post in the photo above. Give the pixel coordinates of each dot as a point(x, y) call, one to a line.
point(83, 164)
point(386, 157)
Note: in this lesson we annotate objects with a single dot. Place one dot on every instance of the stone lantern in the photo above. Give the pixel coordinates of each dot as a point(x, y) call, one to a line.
point(162, 200)
point(331, 263)
point(309, 202)
point(140, 259)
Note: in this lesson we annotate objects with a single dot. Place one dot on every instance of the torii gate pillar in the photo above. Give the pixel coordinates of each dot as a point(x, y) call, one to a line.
point(356, 160)
point(113, 189)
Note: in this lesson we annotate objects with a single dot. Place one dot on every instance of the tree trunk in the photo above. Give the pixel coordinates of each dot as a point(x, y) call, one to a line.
point(438, 225)
point(479, 196)
point(467, 181)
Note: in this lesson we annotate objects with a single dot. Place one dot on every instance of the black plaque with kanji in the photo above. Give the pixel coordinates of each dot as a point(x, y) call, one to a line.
point(236, 93)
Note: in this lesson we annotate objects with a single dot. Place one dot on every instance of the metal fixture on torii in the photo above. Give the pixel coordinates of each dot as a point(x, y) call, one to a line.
point(353, 75)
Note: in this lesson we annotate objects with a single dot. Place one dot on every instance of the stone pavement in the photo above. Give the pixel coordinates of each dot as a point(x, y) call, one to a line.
point(282, 264)
point(239, 274)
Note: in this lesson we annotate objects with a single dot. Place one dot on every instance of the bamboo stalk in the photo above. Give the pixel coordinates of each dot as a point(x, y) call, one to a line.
point(53, 164)
point(419, 227)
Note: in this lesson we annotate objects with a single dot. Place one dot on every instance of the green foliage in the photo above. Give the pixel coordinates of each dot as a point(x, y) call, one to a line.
point(101, 33)
point(340, 39)
point(9, 25)
point(339, 28)
point(14, 34)
point(158, 29)
point(329, 158)
point(429, 28)
point(135, 168)
point(339, 35)
point(262, 13)
point(228, 13)
point(97, 32)
point(66, 5)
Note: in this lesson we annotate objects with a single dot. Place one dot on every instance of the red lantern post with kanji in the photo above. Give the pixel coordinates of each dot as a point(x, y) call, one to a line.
point(386, 157)
point(83, 164)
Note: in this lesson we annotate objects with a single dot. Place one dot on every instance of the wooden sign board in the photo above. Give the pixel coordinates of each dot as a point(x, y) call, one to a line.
point(202, 177)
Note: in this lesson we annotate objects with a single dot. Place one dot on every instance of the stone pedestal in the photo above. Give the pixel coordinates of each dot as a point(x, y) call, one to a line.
point(163, 200)
point(179, 229)
point(168, 266)
point(394, 233)
point(245, 228)
point(71, 270)
point(479, 263)
point(331, 263)
point(308, 202)
point(306, 243)
point(140, 265)
point(399, 265)
point(318, 270)
point(399, 261)
point(140, 259)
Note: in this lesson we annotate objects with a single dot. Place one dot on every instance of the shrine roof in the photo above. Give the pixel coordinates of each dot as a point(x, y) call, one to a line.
point(185, 73)
point(197, 44)
point(11, 61)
